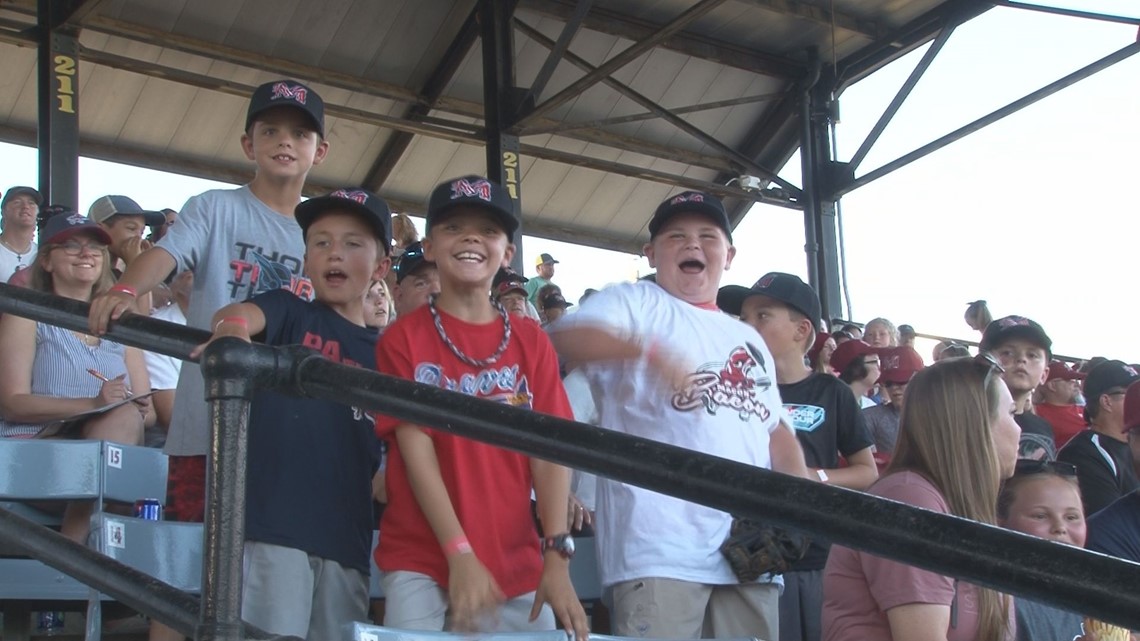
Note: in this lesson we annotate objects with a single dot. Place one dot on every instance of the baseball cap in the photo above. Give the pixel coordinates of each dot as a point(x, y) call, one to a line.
point(906, 330)
point(22, 191)
point(847, 352)
point(785, 288)
point(287, 93)
point(410, 261)
point(1010, 327)
point(543, 259)
point(898, 364)
point(1060, 371)
point(1132, 407)
point(555, 299)
point(104, 208)
point(693, 202)
point(1106, 376)
point(370, 207)
point(61, 227)
point(512, 282)
point(506, 273)
point(472, 191)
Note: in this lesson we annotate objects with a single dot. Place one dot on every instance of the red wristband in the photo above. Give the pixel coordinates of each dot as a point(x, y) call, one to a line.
point(236, 320)
point(124, 289)
point(456, 546)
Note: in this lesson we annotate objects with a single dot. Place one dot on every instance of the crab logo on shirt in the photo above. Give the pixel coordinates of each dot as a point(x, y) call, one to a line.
point(734, 383)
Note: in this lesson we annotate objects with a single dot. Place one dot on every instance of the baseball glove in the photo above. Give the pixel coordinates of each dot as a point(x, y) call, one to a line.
point(754, 549)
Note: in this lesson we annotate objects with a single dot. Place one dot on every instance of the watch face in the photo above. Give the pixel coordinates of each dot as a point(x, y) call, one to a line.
point(564, 544)
point(567, 545)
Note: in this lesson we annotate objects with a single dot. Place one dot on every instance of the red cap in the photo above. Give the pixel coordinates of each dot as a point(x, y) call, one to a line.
point(899, 364)
point(846, 354)
point(1132, 407)
point(1060, 371)
point(820, 340)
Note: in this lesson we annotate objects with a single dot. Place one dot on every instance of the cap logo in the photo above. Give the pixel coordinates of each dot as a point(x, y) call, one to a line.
point(464, 188)
point(1130, 370)
point(284, 90)
point(355, 195)
point(688, 197)
point(1013, 321)
point(890, 362)
point(76, 219)
point(765, 282)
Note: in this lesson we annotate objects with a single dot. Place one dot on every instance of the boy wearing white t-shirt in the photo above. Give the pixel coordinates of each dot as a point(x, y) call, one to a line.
point(675, 369)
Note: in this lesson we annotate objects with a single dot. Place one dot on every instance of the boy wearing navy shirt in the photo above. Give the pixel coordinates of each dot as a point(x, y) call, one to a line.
point(308, 486)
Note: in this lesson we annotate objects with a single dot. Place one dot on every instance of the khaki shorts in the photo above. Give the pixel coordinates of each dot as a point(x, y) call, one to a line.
point(415, 601)
point(672, 609)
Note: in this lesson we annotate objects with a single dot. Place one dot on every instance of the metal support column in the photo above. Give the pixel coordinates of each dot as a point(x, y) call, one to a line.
point(499, 100)
point(820, 230)
point(229, 390)
point(58, 88)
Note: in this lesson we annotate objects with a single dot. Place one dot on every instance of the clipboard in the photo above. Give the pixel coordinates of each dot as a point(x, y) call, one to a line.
point(71, 426)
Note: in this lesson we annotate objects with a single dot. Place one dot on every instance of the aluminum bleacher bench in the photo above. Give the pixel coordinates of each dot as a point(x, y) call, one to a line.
point(35, 471)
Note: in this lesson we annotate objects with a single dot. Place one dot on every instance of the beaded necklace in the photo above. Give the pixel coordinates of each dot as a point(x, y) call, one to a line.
point(490, 360)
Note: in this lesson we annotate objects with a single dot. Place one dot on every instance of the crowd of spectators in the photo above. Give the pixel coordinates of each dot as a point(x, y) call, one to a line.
point(998, 431)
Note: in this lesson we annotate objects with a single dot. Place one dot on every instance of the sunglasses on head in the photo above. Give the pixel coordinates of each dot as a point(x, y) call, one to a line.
point(1034, 466)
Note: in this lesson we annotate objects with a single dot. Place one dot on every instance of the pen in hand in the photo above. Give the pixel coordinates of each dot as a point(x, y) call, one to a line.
point(99, 375)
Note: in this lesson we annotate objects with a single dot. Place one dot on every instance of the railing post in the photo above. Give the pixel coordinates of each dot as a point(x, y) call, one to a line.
point(229, 390)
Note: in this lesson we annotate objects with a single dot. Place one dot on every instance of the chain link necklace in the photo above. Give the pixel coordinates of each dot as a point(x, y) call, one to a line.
point(19, 254)
point(490, 360)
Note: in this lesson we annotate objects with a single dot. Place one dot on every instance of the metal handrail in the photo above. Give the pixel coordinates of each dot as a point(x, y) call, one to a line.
point(1064, 576)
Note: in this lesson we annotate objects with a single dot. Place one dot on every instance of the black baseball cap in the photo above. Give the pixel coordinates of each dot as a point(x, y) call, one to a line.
point(1010, 327)
point(691, 202)
point(410, 261)
point(22, 191)
point(788, 289)
point(61, 227)
point(370, 207)
point(1106, 376)
point(103, 209)
point(287, 93)
point(472, 191)
point(505, 274)
point(555, 299)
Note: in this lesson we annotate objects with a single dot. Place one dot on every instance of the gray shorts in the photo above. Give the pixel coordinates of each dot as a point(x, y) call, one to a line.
point(291, 593)
point(414, 601)
point(672, 609)
point(801, 606)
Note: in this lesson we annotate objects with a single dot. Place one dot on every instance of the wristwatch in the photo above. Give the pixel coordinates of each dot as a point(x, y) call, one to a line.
point(562, 543)
point(822, 475)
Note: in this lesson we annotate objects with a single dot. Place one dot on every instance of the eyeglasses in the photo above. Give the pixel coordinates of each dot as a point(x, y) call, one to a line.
point(74, 248)
point(1026, 466)
point(991, 364)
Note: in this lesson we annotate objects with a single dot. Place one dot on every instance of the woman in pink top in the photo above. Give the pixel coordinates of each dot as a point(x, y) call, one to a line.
point(957, 440)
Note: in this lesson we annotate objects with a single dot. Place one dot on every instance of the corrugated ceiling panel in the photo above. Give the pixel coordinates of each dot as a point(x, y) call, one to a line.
point(18, 83)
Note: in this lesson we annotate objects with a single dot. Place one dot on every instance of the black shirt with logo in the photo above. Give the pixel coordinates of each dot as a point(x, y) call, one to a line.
point(828, 422)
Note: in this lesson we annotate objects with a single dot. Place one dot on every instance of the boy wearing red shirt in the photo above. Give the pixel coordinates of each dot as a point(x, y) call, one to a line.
point(459, 548)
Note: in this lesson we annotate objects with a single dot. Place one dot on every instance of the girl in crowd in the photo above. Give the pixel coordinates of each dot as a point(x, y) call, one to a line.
point(1043, 499)
point(49, 374)
point(880, 333)
point(957, 440)
point(379, 308)
point(819, 356)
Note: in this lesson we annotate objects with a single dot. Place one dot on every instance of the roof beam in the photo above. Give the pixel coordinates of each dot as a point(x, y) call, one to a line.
point(682, 124)
point(628, 55)
point(820, 15)
point(617, 24)
point(430, 94)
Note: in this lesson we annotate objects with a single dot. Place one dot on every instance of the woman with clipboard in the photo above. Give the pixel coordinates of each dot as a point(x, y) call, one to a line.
point(44, 390)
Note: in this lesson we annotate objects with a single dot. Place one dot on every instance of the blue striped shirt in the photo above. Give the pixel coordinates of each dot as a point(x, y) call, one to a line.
point(60, 370)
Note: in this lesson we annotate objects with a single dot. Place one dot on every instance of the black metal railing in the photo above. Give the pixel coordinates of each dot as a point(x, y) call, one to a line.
point(1064, 576)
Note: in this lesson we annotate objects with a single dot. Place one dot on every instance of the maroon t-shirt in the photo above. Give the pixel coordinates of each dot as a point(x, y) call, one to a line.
point(859, 588)
point(1067, 421)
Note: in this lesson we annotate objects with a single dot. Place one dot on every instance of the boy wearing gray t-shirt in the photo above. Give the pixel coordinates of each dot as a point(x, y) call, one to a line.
point(239, 243)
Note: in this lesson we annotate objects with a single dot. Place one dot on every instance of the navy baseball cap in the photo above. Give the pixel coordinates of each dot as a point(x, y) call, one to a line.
point(22, 191)
point(410, 261)
point(473, 191)
point(690, 202)
point(1106, 376)
point(1010, 327)
point(287, 93)
point(785, 288)
point(103, 209)
point(555, 299)
point(61, 227)
point(507, 280)
point(367, 205)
